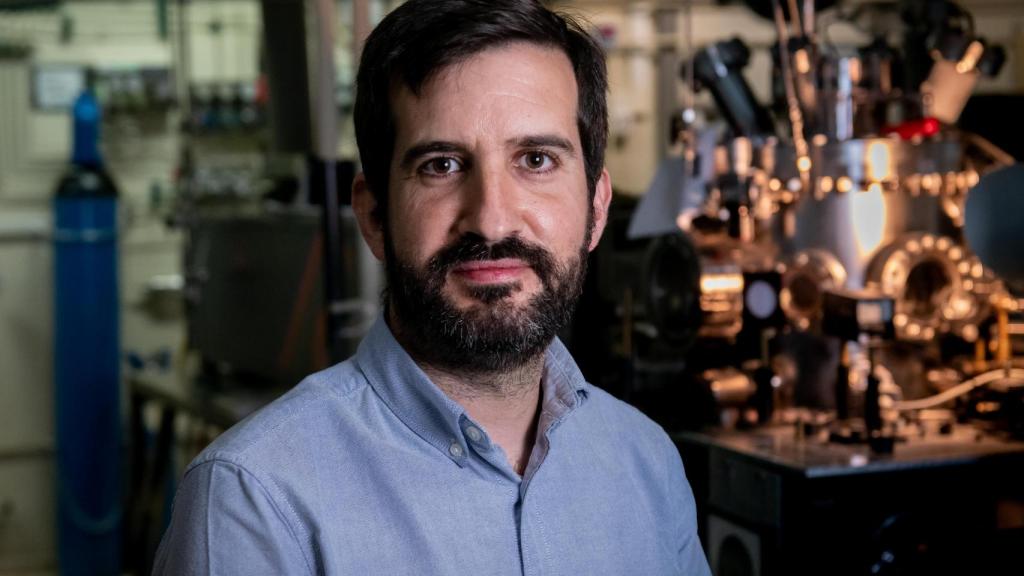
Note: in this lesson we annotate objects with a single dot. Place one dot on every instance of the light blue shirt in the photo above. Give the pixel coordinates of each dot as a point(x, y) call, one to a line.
point(368, 468)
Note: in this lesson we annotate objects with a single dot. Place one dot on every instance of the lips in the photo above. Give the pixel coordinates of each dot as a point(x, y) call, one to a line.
point(491, 271)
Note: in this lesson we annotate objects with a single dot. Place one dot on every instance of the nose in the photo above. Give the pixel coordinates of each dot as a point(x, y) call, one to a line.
point(489, 205)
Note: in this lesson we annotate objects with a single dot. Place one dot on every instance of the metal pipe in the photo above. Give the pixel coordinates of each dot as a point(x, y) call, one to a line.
point(182, 73)
point(325, 149)
point(667, 63)
point(809, 20)
point(360, 28)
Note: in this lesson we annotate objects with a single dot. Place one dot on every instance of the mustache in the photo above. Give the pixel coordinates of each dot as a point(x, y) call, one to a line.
point(472, 248)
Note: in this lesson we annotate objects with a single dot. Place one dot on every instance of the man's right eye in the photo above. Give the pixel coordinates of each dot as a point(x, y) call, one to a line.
point(441, 166)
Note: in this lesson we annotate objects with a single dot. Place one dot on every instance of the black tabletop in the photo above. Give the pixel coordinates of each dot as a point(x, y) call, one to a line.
point(815, 456)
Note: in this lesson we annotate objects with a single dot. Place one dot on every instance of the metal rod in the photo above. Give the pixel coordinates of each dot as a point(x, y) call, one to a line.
point(688, 136)
point(796, 120)
point(809, 16)
point(667, 95)
point(794, 19)
point(183, 71)
point(360, 28)
point(332, 258)
point(325, 147)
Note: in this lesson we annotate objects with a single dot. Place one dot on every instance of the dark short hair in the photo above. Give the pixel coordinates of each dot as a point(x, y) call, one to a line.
point(422, 37)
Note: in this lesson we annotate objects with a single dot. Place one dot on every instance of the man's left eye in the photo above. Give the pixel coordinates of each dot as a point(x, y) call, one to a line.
point(537, 161)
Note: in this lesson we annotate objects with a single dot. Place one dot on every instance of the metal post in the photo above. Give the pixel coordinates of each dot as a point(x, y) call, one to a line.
point(324, 107)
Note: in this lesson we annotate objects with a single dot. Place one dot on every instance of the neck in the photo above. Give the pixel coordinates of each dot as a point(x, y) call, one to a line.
point(506, 404)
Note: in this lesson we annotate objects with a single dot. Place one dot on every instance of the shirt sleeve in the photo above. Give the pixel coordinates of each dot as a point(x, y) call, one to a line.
point(225, 522)
point(692, 561)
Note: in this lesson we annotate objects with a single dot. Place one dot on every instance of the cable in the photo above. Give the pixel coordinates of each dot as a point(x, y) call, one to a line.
point(959, 390)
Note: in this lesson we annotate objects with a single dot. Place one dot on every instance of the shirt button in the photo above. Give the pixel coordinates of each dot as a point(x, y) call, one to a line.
point(455, 449)
point(474, 434)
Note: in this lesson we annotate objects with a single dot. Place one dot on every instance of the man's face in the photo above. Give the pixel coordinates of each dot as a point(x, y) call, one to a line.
point(489, 219)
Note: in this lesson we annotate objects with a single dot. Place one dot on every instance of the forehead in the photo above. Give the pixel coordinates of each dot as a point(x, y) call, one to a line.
point(516, 87)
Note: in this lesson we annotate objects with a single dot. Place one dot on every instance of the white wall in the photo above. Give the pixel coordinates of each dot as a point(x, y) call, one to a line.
point(26, 393)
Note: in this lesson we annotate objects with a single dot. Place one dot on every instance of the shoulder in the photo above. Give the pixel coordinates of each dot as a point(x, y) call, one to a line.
point(600, 413)
point(290, 422)
point(260, 473)
point(620, 418)
point(635, 438)
point(217, 496)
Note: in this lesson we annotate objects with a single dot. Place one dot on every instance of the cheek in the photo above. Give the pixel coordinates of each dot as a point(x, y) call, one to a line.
point(418, 228)
point(560, 223)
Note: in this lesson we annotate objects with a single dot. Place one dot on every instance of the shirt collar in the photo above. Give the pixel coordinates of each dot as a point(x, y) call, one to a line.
point(436, 418)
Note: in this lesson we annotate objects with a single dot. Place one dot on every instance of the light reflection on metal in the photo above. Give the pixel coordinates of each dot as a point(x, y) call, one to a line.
point(972, 178)
point(937, 287)
point(721, 300)
point(729, 386)
point(954, 208)
point(803, 62)
point(913, 184)
point(806, 278)
point(878, 161)
point(685, 219)
point(867, 209)
point(716, 283)
point(971, 56)
point(931, 167)
point(960, 305)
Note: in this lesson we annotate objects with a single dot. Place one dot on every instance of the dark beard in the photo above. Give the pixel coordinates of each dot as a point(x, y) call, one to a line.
point(496, 337)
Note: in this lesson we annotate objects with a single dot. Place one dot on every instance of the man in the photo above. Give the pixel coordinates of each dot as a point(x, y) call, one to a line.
point(461, 438)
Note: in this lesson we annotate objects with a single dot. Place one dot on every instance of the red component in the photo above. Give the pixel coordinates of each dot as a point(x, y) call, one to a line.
point(930, 127)
point(262, 89)
point(926, 127)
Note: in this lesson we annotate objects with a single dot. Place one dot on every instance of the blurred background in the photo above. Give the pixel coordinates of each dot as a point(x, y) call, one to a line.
point(811, 278)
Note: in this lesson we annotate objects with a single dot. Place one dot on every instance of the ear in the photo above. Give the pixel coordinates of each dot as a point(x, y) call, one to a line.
point(364, 204)
point(602, 199)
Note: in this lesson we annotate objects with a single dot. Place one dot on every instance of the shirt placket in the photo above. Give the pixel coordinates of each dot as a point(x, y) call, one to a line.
point(490, 456)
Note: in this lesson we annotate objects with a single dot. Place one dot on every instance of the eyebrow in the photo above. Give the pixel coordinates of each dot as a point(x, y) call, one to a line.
point(543, 141)
point(419, 150)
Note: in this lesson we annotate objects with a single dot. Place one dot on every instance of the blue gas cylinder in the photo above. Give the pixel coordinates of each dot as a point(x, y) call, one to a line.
point(87, 356)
